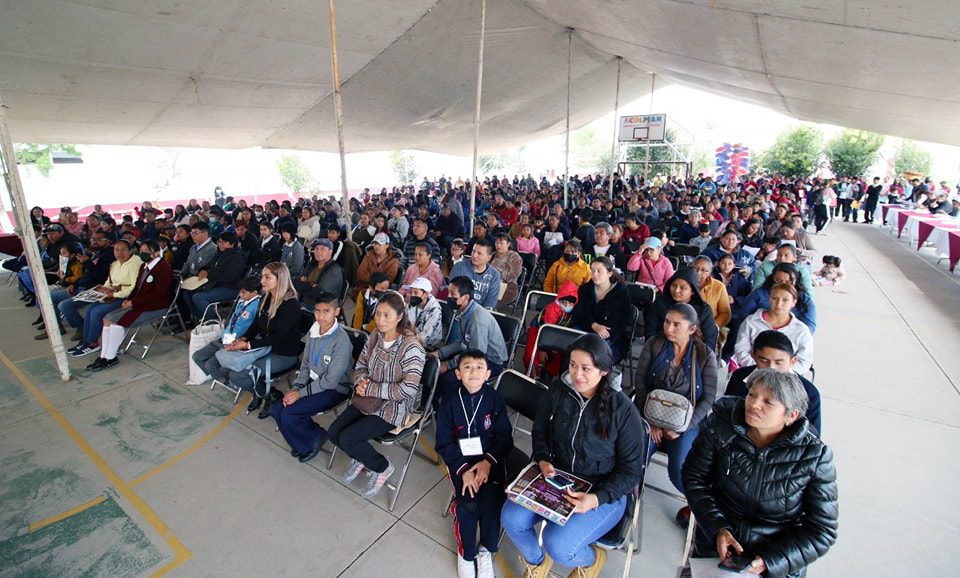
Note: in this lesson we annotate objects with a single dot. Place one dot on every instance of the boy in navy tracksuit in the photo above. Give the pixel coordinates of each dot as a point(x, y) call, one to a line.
point(474, 436)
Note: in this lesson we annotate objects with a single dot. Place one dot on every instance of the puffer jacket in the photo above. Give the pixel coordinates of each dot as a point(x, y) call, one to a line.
point(566, 434)
point(780, 502)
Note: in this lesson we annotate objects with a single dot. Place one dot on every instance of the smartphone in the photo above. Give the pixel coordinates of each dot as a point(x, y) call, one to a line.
point(735, 563)
point(560, 482)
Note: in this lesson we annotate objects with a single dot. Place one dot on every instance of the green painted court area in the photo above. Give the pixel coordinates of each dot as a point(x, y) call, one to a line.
point(99, 541)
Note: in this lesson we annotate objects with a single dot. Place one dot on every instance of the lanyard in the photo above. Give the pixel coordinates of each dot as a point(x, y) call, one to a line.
point(470, 420)
point(241, 307)
point(323, 345)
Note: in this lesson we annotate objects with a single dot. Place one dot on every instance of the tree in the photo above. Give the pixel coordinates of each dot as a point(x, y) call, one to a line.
point(911, 158)
point(660, 156)
point(293, 173)
point(795, 154)
point(404, 166)
point(852, 152)
point(41, 156)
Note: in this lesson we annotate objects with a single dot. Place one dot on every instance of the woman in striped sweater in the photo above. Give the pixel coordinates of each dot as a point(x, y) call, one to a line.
point(387, 379)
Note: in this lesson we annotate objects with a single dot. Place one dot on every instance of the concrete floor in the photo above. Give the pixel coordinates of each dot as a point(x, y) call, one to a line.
point(129, 472)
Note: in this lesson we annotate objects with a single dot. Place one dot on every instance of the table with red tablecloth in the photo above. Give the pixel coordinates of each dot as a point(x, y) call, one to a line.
point(941, 231)
point(10, 244)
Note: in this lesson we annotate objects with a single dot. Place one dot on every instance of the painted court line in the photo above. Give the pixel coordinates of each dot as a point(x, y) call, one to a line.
point(64, 515)
point(181, 553)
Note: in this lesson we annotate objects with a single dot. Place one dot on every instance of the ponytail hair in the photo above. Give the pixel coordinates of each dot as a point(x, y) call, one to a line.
point(599, 352)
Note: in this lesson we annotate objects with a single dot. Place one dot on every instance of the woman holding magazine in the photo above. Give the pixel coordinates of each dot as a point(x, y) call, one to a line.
point(586, 427)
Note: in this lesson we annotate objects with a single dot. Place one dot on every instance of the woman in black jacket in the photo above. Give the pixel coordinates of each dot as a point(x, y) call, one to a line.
point(683, 287)
point(603, 305)
point(760, 481)
point(587, 427)
point(275, 332)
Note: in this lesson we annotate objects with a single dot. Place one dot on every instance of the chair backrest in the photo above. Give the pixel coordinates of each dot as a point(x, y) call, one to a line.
point(684, 250)
point(510, 329)
point(535, 302)
point(626, 530)
point(641, 294)
point(675, 262)
point(428, 384)
point(552, 338)
point(446, 318)
point(358, 338)
point(529, 261)
point(521, 393)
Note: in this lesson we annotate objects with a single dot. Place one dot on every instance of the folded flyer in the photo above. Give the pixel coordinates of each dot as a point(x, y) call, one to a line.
point(532, 491)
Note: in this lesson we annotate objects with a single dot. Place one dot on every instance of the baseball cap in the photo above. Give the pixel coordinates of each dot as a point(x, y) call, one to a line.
point(54, 228)
point(381, 239)
point(325, 242)
point(421, 283)
point(653, 242)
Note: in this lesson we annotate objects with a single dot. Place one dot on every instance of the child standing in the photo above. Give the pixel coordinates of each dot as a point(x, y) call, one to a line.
point(474, 436)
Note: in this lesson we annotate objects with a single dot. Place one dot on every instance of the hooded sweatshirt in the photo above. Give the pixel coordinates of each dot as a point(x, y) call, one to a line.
point(655, 314)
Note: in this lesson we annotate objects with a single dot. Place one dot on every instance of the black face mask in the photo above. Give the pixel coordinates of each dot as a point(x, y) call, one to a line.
point(452, 302)
point(569, 258)
point(146, 257)
point(376, 294)
point(416, 301)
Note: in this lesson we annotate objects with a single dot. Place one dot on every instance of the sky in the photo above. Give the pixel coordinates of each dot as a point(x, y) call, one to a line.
point(112, 174)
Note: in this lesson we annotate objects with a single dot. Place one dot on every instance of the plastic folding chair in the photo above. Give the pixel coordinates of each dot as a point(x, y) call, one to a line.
point(416, 423)
point(512, 305)
point(685, 253)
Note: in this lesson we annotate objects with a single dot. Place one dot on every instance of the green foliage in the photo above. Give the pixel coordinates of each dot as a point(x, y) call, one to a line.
point(41, 156)
point(660, 156)
point(910, 157)
point(502, 163)
point(293, 173)
point(795, 154)
point(404, 166)
point(852, 152)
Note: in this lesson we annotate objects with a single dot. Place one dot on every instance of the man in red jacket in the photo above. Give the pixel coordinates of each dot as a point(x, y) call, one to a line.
point(152, 293)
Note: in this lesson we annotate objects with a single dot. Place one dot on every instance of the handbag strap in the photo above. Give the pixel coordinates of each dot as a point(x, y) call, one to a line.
point(693, 373)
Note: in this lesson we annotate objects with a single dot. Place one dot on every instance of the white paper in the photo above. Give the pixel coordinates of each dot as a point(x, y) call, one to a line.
point(471, 446)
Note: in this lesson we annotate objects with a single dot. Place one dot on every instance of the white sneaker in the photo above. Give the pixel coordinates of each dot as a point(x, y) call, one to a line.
point(484, 563)
point(465, 568)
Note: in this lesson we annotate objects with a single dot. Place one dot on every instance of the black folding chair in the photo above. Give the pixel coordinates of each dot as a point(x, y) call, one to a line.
point(530, 266)
point(416, 422)
point(685, 253)
point(447, 313)
point(510, 328)
point(642, 294)
point(627, 534)
point(552, 338)
point(512, 305)
point(633, 322)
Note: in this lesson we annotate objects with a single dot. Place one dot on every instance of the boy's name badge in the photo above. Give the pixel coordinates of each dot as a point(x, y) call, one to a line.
point(314, 375)
point(471, 446)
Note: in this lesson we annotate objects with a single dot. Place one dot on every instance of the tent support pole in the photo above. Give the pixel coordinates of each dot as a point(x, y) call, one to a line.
point(476, 117)
point(338, 107)
point(646, 163)
point(616, 123)
point(566, 148)
point(24, 229)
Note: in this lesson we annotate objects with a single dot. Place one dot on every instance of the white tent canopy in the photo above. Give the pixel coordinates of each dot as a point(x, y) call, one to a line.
point(240, 73)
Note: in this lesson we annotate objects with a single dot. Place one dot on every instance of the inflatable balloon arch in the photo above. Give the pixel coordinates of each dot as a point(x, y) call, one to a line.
point(732, 162)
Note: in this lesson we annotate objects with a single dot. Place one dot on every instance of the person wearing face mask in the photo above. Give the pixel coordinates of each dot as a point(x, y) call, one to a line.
point(150, 293)
point(473, 327)
point(569, 268)
point(367, 302)
point(424, 312)
point(560, 312)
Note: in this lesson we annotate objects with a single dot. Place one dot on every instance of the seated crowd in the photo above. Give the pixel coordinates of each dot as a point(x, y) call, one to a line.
point(718, 278)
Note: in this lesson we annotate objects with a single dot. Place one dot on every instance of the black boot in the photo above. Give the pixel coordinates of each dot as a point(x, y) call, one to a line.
point(273, 397)
point(254, 403)
point(38, 321)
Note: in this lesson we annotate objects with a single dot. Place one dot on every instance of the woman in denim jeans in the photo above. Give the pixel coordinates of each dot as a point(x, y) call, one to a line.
point(585, 426)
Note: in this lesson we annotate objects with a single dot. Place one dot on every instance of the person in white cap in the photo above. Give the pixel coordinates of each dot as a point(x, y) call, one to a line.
point(425, 312)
